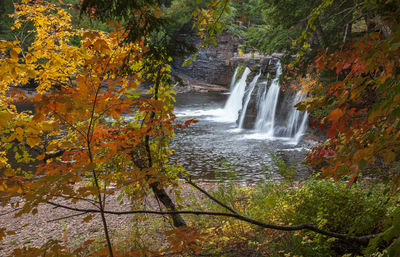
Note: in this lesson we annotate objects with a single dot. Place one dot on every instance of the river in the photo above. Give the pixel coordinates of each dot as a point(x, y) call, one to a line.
point(213, 147)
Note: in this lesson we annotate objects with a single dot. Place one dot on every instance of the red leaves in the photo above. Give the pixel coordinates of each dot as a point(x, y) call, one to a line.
point(320, 62)
point(362, 107)
point(186, 124)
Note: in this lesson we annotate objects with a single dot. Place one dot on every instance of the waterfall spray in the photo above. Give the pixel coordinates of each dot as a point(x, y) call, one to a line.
point(235, 100)
point(248, 96)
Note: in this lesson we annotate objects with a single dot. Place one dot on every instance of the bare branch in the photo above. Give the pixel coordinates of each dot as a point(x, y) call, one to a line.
point(189, 181)
point(8, 212)
point(359, 239)
point(67, 217)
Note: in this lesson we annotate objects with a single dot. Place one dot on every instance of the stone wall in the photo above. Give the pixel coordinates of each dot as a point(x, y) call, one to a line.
point(213, 64)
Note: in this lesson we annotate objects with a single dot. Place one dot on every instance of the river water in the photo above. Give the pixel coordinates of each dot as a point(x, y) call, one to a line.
point(213, 147)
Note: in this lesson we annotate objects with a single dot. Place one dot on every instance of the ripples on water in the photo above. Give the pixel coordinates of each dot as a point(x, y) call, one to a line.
point(215, 140)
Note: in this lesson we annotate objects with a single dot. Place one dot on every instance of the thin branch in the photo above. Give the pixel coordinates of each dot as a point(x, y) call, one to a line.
point(189, 181)
point(8, 212)
point(77, 198)
point(68, 123)
point(345, 237)
point(67, 217)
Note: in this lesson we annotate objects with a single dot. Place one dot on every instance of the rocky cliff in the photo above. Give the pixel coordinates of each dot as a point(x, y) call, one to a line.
point(213, 64)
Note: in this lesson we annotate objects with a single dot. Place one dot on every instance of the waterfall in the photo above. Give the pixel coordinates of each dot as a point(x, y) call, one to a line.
point(234, 79)
point(293, 122)
point(297, 120)
point(248, 96)
point(271, 115)
point(265, 121)
point(235, 100)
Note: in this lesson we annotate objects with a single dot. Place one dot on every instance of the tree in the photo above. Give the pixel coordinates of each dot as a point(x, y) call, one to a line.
point(80, 89)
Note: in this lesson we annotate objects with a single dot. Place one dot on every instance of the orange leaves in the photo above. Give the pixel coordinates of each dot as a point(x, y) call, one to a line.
point(184, 240)
point(335, 115)
point(320, 62)
point(186, 124)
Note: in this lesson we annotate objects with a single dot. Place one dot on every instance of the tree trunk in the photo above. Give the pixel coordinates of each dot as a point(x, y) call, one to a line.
point(320, 34)
point(167, 202)
point(159, 192)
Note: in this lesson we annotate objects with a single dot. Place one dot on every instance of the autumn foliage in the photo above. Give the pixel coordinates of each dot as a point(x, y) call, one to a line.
point(362, 103)
point(79, 137)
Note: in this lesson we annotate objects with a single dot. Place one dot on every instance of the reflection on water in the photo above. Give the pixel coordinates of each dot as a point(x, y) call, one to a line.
point(203, 147)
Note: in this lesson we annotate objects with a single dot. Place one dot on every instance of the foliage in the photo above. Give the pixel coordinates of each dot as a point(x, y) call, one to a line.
point(81, 144)
point(6, 8)
point(354, 87)
point(148, 20)
point(363, 103)
point(329, 205)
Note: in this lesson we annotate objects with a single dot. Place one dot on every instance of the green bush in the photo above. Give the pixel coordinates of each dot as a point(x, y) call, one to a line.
point(328, 205)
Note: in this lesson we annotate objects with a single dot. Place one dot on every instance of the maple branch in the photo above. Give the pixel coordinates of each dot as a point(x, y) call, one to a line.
point(189, 181)
point(360, 239)
point(68, 123)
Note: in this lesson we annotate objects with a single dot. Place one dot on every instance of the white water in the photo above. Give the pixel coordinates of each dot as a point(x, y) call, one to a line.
point(296, 128)
point(247, 100)
point(235, 100)
point(265, 121)
point(266, 126)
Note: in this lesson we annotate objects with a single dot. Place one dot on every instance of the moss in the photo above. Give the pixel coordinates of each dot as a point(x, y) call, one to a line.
point(240, 71)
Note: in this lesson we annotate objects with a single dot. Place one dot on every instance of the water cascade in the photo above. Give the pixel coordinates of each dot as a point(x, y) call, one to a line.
point(276, 117)
point(297, 119)
point(248, 96)
point(234, 103)
point(265, 121)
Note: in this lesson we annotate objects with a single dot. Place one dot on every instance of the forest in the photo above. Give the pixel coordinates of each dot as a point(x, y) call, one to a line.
point(199, 128)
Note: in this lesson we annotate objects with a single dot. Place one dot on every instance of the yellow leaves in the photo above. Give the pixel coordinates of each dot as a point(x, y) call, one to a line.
point(88, 218)
point(5, 116)
point(48, 125)
point(33, 141)
point(101, 45)
point(52, 146)
point(20, 134)
point(9, 173)
point(389, 156)
point(91, 35)
point(31, 74)
point(15, 52)
point(90, 167)
point(3, 186)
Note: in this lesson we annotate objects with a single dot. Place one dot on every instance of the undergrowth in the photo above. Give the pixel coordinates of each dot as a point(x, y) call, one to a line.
point(364, 208)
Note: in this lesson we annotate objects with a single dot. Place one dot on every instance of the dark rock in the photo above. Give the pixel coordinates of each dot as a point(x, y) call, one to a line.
point(212, 65)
